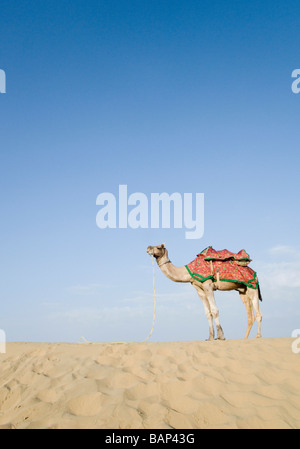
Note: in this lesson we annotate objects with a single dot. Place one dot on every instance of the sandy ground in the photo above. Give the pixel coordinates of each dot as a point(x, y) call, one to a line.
point(179, 385)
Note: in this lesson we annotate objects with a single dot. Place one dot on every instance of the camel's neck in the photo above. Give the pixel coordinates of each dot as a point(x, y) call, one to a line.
point(176, 274)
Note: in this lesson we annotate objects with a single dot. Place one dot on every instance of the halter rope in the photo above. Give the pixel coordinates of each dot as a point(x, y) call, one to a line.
point(154, 313)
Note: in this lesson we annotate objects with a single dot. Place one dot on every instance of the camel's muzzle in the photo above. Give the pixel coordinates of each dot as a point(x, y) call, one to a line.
point(150, 250)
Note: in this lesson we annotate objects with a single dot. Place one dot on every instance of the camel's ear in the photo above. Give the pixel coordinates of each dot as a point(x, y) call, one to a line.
point(162, 245)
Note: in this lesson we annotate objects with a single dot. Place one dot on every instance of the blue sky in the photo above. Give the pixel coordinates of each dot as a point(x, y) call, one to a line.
point(162, 96)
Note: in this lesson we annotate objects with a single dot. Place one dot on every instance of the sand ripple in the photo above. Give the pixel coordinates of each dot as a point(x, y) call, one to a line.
point(180, 385)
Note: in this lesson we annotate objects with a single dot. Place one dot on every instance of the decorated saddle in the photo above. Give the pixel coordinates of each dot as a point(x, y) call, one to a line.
point(223, 266)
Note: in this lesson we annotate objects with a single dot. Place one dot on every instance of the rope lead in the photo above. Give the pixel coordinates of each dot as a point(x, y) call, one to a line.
point(154, 311)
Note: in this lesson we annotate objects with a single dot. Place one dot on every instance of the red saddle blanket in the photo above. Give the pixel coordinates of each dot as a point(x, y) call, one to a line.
point(231, 267)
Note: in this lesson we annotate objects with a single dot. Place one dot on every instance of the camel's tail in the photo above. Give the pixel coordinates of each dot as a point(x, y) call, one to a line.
point(259, 293)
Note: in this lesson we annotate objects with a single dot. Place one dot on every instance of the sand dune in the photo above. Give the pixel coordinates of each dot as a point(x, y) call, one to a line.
point(180, 385)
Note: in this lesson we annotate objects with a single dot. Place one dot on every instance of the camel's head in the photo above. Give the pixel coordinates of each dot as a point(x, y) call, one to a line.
point(156, 251)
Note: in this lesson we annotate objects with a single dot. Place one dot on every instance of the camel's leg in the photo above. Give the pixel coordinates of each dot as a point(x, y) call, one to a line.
point(207, 312)
point(214, 310)
point(248, 304)
point(253, 294)
point(258, 314)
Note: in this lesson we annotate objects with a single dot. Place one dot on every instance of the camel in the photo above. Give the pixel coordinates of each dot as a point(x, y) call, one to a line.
point(205, 290)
